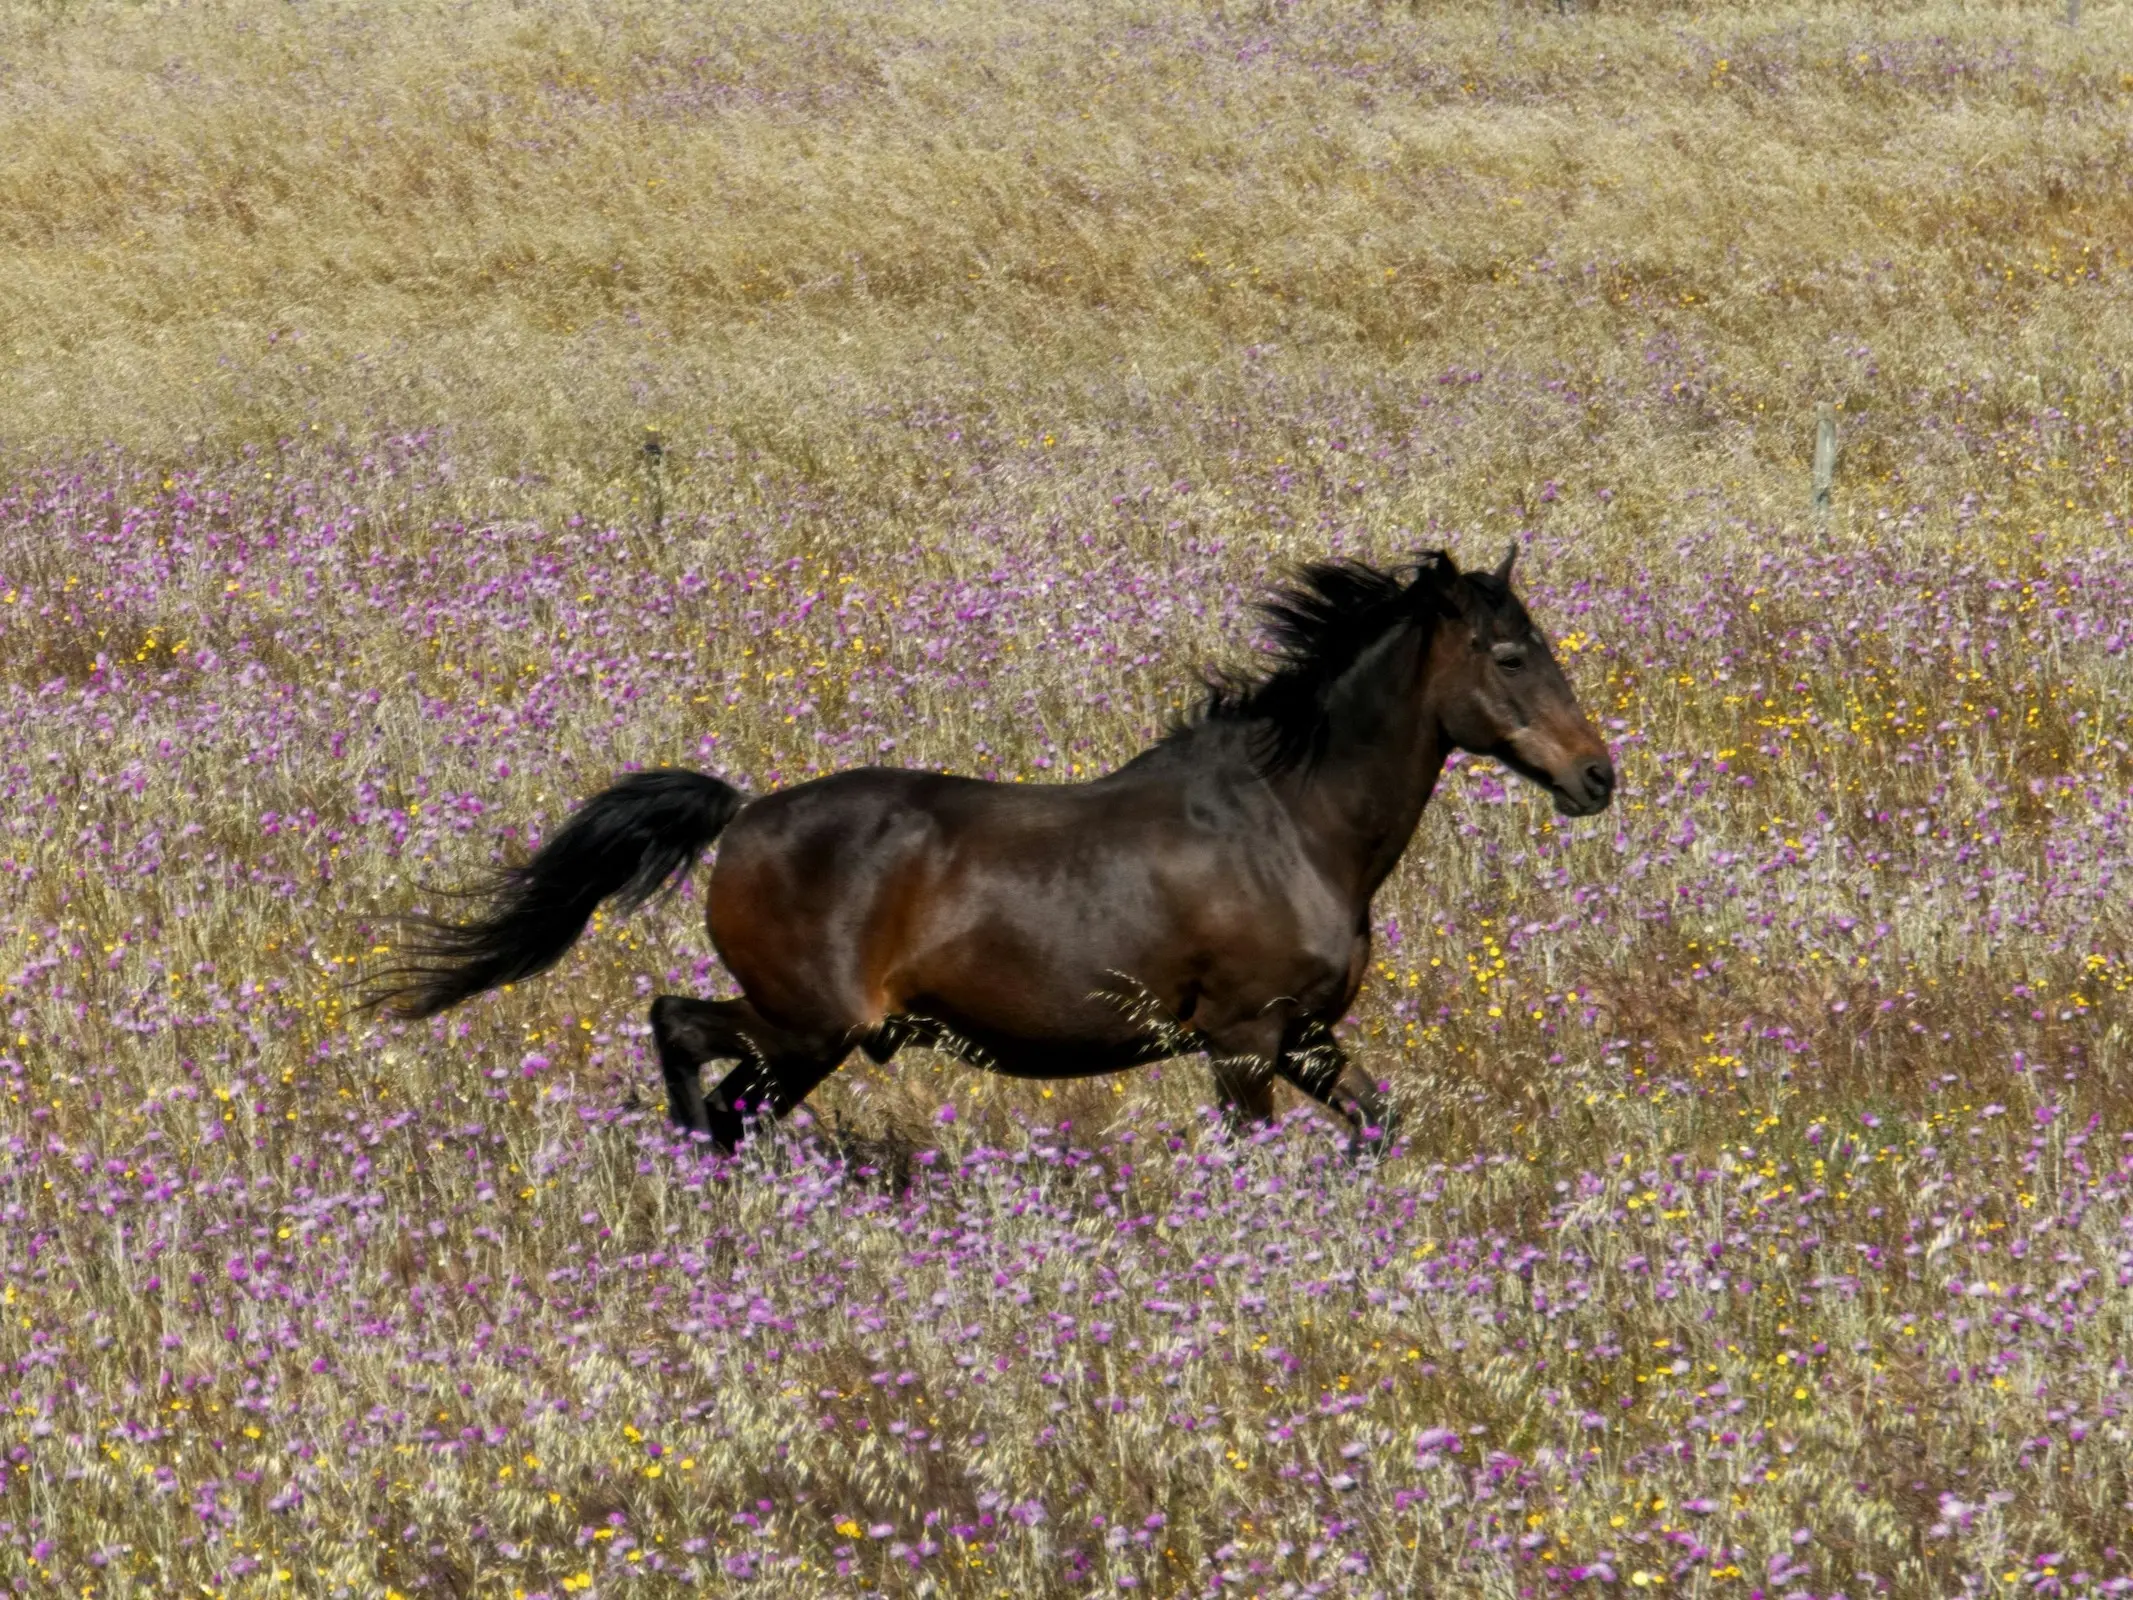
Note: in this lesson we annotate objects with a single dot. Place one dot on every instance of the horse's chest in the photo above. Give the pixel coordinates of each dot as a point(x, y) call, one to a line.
point(1289, 920)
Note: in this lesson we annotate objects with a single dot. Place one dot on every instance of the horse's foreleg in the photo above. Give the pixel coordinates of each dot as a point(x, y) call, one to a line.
point(1244, 1056)
point(1316, 1064)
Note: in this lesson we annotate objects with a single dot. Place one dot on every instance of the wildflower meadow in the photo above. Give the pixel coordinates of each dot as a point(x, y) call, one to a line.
point(411, 419)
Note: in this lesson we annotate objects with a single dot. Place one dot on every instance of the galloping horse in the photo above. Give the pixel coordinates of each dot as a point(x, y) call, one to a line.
point(1211, 894)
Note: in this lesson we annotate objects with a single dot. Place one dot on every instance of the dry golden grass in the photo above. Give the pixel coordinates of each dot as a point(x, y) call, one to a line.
point(549, 227)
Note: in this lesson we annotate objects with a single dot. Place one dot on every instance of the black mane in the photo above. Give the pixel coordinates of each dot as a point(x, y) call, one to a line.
point(1321, 623)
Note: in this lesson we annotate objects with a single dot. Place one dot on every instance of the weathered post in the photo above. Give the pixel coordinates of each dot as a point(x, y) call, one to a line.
point(1825, 467)
point(655, 469)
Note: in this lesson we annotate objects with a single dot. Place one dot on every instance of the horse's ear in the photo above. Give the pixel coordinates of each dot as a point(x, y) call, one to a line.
point(1503, 567)
point(1437, 582)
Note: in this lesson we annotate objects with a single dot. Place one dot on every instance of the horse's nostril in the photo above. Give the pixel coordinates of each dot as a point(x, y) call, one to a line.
point(1600, 777)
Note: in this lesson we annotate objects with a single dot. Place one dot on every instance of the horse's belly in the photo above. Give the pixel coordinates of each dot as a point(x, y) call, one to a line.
point(1016, 1049)
point(1028, 1010)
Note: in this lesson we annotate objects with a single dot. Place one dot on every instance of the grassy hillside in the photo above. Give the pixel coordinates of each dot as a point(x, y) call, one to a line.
point(1765, 1217)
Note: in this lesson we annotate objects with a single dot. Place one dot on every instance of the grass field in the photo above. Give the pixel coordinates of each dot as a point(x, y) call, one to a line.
point(1764, 1222)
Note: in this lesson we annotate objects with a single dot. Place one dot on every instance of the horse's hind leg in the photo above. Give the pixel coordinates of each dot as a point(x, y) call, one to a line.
point(766, 1087)
point(776, 1068)
point(687, 1033)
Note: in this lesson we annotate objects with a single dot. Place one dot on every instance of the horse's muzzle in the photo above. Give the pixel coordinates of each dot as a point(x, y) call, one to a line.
point(1586, 789)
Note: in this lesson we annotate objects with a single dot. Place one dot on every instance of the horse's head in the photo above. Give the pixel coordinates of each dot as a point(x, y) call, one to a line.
point(1500, 694)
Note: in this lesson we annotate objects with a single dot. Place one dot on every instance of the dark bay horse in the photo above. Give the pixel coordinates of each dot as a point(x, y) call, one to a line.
point(1212, 894)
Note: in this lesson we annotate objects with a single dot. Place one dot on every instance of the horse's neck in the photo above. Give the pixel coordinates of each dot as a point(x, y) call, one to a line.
point(1360, 802)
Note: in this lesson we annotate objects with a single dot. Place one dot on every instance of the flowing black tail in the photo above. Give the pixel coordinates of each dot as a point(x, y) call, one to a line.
point(626, 842)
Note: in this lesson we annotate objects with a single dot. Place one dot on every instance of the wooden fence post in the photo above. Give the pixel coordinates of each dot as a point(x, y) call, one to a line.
point(1825, 467)
point(655, 468)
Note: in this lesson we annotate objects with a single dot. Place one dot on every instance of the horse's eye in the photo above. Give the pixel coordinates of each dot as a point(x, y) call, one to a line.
point(1510, 660)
